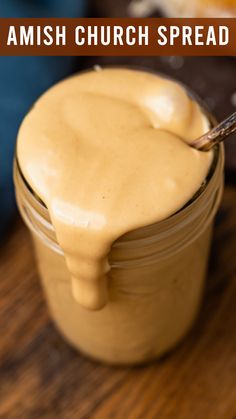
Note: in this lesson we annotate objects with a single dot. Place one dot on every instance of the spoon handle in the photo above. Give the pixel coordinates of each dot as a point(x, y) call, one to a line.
point(216, 135)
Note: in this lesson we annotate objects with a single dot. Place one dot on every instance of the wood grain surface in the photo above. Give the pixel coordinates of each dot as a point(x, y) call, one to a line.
point(43, 377)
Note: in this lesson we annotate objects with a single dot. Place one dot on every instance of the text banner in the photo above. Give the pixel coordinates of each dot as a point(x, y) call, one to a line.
point(118, 37)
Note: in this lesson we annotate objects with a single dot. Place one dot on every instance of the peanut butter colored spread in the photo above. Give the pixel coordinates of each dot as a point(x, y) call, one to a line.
point(107, 153)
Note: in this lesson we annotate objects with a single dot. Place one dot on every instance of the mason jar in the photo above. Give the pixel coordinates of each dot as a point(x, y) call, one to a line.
point(155, 283)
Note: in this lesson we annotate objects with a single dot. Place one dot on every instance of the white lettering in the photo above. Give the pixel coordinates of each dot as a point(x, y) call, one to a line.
point(187, 33)
point(162, 40)
point(79, 38)
point(130, 39)
point(118, 33)
point(92, 35)
point(27, 35)
point(199, 35)
point(143, 35)
point(60, 35)
point(211, 38)
point(38, 35)
point(223, 35)
point(11, 39)
point(105, 35)
point(174, 33)
point(48, 40)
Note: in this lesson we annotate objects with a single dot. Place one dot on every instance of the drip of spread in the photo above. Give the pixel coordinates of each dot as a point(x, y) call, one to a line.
point(107, 153)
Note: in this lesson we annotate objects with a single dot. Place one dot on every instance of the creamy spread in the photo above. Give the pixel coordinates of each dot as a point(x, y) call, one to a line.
point(107, 153)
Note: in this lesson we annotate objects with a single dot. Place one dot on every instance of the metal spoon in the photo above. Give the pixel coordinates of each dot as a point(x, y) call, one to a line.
point(216, 135)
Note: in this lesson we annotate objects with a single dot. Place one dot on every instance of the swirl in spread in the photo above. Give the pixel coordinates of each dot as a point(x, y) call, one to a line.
point(107, 153)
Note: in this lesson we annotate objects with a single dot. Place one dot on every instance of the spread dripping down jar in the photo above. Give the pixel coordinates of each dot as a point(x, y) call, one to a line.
point(154, 282)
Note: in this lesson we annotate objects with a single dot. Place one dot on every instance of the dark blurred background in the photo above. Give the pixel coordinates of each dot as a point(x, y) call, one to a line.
point(23, 79)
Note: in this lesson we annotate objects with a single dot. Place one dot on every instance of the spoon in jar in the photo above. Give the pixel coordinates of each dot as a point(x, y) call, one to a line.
point(219, 133)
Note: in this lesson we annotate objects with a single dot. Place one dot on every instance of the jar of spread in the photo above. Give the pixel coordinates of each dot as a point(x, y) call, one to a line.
point(120, 208)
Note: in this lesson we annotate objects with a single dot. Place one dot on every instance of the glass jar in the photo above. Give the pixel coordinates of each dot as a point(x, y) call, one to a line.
point(155, 283)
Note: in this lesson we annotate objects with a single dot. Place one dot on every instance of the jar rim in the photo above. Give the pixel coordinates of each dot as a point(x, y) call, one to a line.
point(218, 150)
point(215, 149)
point(198, 213)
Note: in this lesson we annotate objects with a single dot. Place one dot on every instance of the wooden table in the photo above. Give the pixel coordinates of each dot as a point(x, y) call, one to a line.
point(42, 377)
